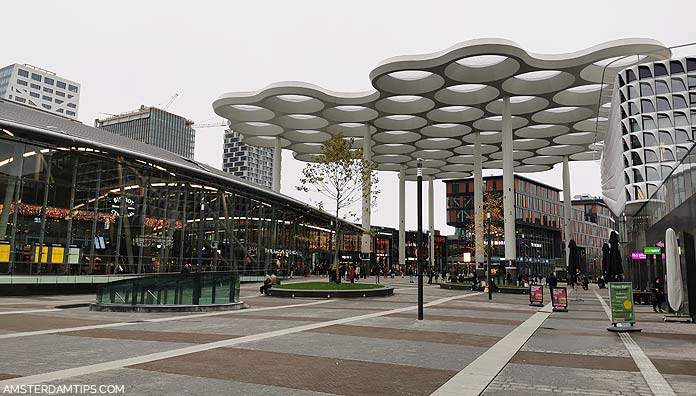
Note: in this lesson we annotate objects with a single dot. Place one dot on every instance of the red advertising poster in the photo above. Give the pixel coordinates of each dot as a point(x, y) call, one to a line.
point(559, 297)
point(536, 294)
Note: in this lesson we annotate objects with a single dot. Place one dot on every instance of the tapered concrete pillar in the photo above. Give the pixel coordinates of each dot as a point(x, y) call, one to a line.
point(478, 198)
point(277, 164)
point(508, 184)
point(567, 208)
point(366, 210)
point(431, 222)
point(402, 216)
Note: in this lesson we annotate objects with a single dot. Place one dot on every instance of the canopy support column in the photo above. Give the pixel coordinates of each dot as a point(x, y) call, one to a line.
point(478, 198)
point(402, 216)
point(277, 164)
point(567, 209)
point(431, 223)
point(508, 184)
point(367, 187)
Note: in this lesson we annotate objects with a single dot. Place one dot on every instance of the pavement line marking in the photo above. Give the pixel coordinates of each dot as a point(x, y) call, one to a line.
point(657, 383)
point(30, 311)
point(475, 377)
point(154, 320)
point(116, 364)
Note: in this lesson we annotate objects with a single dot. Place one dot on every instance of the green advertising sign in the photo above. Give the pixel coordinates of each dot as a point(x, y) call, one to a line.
point(652, 250)
point(621, 301)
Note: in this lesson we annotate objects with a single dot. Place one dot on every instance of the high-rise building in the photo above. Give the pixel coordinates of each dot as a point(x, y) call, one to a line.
point(251, 163)
point(650, 130)
point(155, 127)
point(40, 89)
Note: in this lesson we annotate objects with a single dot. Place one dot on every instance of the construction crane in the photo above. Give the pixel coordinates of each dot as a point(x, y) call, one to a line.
point(210, 125)
point(173, 98)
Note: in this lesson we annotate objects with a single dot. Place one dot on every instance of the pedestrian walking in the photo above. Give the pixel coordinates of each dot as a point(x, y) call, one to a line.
point(658, 294)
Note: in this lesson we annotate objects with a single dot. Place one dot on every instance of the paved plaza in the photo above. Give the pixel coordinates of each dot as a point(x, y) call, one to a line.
point(465, 345)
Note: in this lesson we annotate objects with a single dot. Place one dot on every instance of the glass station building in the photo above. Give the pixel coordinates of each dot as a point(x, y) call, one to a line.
point(79, 200)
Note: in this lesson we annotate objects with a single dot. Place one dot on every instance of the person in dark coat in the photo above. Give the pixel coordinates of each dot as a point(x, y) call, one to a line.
point(551, 282)
point(658, 294)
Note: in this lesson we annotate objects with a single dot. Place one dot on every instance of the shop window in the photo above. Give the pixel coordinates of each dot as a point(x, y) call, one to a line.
point(635, 126)
point(635, 143)
point(647, 106)
point(644, 72)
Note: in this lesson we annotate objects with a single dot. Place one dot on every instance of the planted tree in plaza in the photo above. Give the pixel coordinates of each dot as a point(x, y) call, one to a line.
point(338, 175)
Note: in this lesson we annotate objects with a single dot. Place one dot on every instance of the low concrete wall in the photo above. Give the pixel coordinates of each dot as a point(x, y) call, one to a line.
point(290, 293)
point(166, 308)
point(454, 286)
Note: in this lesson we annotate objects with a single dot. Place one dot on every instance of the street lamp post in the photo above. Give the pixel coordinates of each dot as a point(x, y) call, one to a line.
point(419, 238)
point(488, 269)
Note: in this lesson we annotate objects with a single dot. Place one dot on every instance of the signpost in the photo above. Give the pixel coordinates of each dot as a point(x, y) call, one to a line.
point(622, 309)
point(559, 299)
point(536, 295)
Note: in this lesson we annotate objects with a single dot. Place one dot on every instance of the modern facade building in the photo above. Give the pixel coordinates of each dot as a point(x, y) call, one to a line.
point(593, 222)
point(650, 132)
point(40, 89)
point(538, 218)
point(155, 127)
point(80, 200)
point(649, 168)
point(251, 163)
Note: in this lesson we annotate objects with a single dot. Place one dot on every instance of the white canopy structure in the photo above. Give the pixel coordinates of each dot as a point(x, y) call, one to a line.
point(483, 103)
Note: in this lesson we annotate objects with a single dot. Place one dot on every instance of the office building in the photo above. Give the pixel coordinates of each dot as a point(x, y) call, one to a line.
point(538, 222)
point(251, 163)
point(41, 89)
point(155, 127)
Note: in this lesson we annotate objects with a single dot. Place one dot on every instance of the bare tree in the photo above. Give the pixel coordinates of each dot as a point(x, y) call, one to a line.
point(339, 174)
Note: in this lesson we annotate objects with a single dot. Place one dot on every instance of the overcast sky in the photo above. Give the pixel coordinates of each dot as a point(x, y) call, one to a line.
point(128, 53)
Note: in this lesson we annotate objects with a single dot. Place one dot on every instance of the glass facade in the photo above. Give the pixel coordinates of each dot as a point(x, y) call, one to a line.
point(539, 214)
point(155, 127)
point(78, 210)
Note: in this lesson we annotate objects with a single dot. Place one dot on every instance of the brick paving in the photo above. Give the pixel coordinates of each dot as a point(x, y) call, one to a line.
point(569, 354)
point(339, 376)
